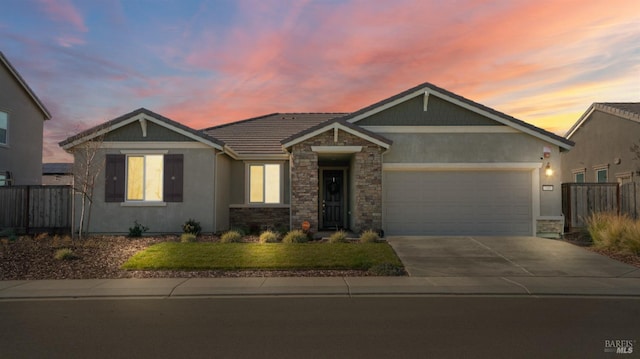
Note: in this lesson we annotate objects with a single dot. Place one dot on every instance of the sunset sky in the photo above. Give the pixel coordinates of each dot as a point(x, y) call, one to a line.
point(204, 63)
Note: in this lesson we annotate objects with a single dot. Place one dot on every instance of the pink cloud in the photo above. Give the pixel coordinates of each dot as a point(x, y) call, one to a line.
point(64, 11)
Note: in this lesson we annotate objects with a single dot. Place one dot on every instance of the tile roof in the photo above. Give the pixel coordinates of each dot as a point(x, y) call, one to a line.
point(629, 110)
point(263, 135)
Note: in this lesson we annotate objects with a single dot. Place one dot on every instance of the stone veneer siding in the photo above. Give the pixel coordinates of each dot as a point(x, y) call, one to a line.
point(259, 218)
point(366, 176)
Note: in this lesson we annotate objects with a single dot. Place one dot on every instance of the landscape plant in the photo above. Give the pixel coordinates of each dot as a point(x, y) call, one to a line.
point(295, 236)
point(65, 254)
point(269, 236)
point(338, 237)
point(192, 226)
point(617, 233)
point(369, 236)
point(231, 237)
point(137, 230)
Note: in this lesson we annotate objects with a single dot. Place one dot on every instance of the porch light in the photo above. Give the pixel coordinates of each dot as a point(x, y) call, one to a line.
point(548, 171)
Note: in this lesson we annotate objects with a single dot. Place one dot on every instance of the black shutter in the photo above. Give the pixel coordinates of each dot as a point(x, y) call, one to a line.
point(173, 178)
point(114, 178)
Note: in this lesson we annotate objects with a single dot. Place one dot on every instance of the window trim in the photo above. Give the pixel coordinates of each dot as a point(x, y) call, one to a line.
point(622, 176)
point(578, 171)
point(143, 201)
point(599, 168)
point(247, 186)
point(6, 142)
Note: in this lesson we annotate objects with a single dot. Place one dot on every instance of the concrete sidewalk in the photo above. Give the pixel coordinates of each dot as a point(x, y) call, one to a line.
point(317, 286)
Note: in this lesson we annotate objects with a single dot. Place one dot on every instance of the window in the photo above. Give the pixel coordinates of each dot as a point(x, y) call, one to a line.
point(578, 177)
point(264, 183)
point(4, 123)
point(144, 178)
point(5, 179)
point(601, 175)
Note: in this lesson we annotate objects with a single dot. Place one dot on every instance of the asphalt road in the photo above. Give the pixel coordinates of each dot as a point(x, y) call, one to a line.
point(321, 327)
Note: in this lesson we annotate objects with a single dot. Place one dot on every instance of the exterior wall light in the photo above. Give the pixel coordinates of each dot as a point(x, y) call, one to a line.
point(548, 171)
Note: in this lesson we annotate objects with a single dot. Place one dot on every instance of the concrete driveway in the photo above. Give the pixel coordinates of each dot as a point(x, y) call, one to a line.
point(503, 257)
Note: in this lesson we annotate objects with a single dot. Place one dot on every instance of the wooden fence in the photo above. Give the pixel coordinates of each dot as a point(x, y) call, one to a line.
point(34, 209)
point(579, 200)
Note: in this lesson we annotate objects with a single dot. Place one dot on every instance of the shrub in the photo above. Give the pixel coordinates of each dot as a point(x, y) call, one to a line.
point(269, 237)
point(338, 237)
point(242, 230)
point(10, 233)
point(187, 238)
point(65, 254)
point(137, 229)
point(295, 236)
point(192, 227)
point(618, 233)
point(369, 236)
point(387, 269)
point(231, 237)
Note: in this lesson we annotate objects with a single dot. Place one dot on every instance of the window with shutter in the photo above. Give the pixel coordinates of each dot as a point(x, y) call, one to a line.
point(114, 178)
point(173, 177)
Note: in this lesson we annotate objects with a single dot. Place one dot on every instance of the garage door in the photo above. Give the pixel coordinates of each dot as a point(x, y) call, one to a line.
point(457, 202)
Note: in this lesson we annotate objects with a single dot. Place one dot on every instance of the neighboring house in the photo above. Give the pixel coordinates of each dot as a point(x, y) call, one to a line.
point(22, 117)
point(54, 174)
point(425, 161)
point(603, 136)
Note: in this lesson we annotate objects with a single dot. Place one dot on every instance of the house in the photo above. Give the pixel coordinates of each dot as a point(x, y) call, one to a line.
point(603, 136)
point(425, 161)
point(22, 117)
point(54, 174)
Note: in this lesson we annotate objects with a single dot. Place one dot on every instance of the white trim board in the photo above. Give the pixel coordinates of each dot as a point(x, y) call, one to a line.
point(488, 166)
point(441, 129)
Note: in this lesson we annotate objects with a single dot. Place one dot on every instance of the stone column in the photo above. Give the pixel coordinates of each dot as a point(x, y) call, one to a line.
point(304, 187)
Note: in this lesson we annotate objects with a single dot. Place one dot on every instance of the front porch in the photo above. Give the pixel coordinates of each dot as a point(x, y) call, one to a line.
point(336, 181)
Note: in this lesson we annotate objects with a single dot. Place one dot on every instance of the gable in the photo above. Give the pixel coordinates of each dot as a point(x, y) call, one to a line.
point(15, 77)
point(133, 133)
point(439, 113)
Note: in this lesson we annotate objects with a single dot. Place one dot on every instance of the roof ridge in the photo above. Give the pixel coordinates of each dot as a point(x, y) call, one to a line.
point(611, 107)
point(271, 115)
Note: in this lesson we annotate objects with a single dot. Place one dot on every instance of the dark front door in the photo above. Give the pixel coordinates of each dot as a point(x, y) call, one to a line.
point(333, 199)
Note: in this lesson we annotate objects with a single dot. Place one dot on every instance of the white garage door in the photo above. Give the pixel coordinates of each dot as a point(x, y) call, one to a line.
point(457, 202)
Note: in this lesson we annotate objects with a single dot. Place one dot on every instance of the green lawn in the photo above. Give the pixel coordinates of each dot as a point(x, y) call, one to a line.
point(271, 256)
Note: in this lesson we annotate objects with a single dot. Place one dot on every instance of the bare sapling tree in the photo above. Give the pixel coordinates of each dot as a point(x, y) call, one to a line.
point(87, 166)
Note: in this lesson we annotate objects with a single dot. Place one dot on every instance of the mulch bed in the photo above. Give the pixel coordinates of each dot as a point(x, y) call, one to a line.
point(100, 257)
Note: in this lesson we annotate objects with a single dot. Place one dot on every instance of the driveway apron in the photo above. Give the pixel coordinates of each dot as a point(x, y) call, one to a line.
point(486, 256)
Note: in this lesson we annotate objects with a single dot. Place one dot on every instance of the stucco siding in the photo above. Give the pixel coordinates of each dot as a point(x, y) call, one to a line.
point(198, 200)
point(439, 113)
point(463, 147)
point(600, 141)
point(23, 153)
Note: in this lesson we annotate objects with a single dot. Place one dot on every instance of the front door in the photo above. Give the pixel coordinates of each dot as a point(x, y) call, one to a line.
point(332, 199)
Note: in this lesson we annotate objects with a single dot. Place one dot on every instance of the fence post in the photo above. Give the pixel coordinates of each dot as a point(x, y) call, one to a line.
point(26, 209)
